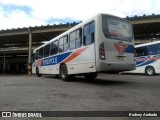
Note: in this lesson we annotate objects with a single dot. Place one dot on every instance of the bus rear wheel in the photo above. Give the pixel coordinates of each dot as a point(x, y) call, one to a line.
point(64, 73)
point(150, 71)
point(37, 72)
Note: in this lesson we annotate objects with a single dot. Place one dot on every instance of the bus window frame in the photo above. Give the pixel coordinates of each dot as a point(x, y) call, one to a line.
point(62, 45)
point(75, 39)
point(90, 34)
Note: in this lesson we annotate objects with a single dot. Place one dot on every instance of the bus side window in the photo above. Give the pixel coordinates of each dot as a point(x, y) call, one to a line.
point(63, 44)
point(65, 41)
point(141, 51)
point(35, 56)
point(88, 34)
point(72, 44)
point(152, 49)
point(158, 48)
point(78, 38)
point(40, 53)
point(46, 50)
point(60, 45)
point(75, 39)
point(54, 47)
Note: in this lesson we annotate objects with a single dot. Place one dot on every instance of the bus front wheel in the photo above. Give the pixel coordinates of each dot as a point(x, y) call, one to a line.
point(37, 72)
point(150, 71)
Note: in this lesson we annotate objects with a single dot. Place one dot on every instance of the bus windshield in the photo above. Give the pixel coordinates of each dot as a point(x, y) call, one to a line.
point(116, 28)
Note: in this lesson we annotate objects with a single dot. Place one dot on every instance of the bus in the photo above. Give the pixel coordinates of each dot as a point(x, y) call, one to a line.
point(101, 43)
point(148, 58)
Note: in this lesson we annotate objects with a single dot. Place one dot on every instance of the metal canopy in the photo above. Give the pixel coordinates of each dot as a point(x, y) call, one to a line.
point(144, 27)
point(147, 30)
point(15, 39)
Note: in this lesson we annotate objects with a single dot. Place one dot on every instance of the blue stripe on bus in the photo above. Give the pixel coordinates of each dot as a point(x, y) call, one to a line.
point(55, 59)
point(129, 49)
point(139, 64)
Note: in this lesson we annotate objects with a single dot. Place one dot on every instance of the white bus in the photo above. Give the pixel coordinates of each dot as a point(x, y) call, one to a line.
point(148, 58)
point(102, 43)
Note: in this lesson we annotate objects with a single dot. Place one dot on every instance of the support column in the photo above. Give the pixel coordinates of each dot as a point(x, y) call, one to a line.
point(30, 52)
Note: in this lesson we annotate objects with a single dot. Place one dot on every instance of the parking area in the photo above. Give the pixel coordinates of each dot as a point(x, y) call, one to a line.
point(109, 92)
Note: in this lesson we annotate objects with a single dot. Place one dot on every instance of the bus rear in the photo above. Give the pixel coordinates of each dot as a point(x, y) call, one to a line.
point(115, 44)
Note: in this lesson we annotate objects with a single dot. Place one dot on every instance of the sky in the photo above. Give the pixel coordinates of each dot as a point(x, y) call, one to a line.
point(25, 13)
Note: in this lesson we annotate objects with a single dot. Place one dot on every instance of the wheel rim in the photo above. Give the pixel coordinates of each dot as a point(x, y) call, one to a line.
point(63, 73)
point(150, 71)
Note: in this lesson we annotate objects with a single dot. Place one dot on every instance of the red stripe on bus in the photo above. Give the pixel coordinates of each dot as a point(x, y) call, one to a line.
point(39, 62)
point(74, 55)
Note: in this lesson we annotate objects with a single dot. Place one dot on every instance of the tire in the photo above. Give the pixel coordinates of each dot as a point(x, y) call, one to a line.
point(90, 76)
point(150, 71)
point(64, 73)
point(37, 72)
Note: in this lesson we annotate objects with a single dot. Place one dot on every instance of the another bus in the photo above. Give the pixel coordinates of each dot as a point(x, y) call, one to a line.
point(148, 58)
point(101, 43)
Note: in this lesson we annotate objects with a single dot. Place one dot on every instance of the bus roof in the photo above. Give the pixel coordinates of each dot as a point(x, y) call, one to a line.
point(146, 44)
point(66, 32)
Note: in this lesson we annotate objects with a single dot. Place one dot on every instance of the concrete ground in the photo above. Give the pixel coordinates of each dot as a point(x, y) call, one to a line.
point(109, 92)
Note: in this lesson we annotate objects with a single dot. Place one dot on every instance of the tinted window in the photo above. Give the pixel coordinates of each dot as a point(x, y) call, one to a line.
point(46, 50)
point(116, 28)
point(61, 48)
point(72, 45)
point(78, 33)
point(65, 40)
point(141, 51)
point(75, 39)
point(91, 27)
point(34, 56)
point(78, 43)
point(158, 48)
point(54, 48)
point(63, 44)
point(40, 53)
point(78, 38)
point(88, 37)
point(72, 36)
point(86, 30)
point(61, 41)
point(153, 49)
